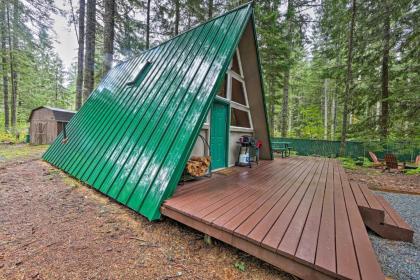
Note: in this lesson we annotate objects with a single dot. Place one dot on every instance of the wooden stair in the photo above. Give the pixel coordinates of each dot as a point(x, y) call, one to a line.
point(379, 216)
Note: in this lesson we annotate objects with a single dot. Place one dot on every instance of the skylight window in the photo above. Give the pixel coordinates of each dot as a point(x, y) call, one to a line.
point(139, 73)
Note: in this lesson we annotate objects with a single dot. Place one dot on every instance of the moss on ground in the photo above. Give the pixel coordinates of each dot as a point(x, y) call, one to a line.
point(10, 152)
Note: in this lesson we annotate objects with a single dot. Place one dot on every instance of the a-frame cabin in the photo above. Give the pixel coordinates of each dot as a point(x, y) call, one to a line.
point(133, 136)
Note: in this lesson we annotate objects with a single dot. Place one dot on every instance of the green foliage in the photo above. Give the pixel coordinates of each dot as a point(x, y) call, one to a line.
point(305, 39)
point(353, 163)
point(19, 136)
point(413, 171)
point(240, 266)
point(367, 162)
point(348, 163)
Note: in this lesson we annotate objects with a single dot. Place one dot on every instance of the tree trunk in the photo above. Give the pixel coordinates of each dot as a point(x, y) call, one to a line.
point(4, 65)
point(109, 24)
point(89, 69)
point(210, 11)
point(286, 79)
point(73, 18)
point(13, 77)
point(285, 105)
point(349, 77)
point(148, 25)
point(334, 111)
point(177, 17)
point(385, 79)
point(325, 109)
point(271, 91)
point(378, 115)
point(80, 54)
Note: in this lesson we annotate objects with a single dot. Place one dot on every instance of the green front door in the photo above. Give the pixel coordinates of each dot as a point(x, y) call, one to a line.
point(219, 135)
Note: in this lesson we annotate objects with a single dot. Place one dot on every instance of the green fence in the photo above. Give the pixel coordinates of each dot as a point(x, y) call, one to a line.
point(404, 150)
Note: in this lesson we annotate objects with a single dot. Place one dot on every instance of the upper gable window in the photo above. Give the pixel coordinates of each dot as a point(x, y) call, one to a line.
point(223, 89)
point(235, 64)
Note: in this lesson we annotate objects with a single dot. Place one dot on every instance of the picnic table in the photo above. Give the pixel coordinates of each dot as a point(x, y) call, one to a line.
point(283, 147)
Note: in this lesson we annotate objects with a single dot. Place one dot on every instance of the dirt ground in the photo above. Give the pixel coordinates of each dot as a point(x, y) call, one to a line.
point(386, 181)
point(53, 228)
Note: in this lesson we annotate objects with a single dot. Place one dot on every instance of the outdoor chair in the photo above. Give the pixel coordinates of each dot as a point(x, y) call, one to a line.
point(376, 162)
point(416, 164)
point(392, 163)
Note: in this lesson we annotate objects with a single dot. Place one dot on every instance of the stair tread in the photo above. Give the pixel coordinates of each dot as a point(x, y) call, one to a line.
point(391, 215)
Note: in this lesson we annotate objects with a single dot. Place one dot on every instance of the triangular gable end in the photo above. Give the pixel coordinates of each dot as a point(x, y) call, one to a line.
point(131, 139)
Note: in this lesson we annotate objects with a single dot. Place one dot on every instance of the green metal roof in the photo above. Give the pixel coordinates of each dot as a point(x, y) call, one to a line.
point(133, 136)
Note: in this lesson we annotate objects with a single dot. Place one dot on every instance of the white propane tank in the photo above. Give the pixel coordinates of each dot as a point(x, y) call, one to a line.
point(244, 158)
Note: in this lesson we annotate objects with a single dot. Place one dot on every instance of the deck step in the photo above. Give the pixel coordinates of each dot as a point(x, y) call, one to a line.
point(379, 216)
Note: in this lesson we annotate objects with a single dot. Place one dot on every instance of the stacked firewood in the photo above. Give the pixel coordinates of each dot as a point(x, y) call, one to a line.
point(198, 166)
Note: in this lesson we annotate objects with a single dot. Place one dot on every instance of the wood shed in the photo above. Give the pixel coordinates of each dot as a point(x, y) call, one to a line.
point(46, 123)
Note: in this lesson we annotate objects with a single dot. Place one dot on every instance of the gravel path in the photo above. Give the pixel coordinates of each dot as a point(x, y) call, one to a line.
point(401, 260)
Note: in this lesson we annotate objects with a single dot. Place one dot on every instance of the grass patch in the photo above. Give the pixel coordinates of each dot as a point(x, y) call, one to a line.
point(70, 182)
point(20, 151)
point(413, 171)
point(354, 163)
point(348, 163)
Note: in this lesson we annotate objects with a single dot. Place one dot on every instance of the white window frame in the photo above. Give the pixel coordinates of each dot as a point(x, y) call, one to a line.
point(240, 78)
point(230, 74)
point(241, 75)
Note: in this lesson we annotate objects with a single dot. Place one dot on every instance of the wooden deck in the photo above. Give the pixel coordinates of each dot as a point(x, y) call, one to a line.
point(298, 214)
point(379, 216)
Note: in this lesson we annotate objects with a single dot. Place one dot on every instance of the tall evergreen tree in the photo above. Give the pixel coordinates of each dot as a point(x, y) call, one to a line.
point(109, 22)
point(349, 78)
point(80, 55)
point(89, 67)
point(4, 67)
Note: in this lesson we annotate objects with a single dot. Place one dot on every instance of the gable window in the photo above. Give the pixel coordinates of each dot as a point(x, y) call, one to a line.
point(223, 90)
point(239, 118)
point(238, 92)
point(235, 64)
point(233, 91)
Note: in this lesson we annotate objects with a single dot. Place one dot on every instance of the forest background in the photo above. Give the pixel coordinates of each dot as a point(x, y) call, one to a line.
point(332, 69)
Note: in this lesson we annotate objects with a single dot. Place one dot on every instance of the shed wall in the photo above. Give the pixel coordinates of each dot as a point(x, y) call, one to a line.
point(43, 127)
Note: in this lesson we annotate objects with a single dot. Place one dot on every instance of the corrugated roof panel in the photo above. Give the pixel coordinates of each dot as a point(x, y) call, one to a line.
point(132, 142)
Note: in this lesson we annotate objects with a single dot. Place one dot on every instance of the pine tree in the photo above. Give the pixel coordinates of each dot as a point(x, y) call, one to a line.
point(89, 66)
point(109, 23)
point(3, 35)
point(349, 78)
point(80, 55)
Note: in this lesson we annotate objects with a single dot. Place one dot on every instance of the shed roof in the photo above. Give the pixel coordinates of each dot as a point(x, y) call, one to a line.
point(133, 136)
point(61, 115)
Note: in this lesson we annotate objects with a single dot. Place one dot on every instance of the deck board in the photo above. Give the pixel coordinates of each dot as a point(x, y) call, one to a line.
point(346, 257)
point(257, 225)
point(325, 254)
point(306, 250)
point(232, 222)
point(299, 214)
